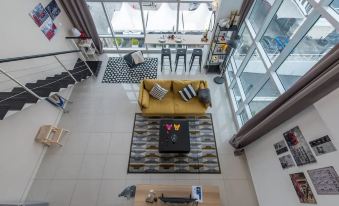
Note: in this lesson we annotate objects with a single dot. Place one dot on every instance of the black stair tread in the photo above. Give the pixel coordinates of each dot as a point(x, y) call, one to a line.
point(29, 98)
point(14, 105)
point(3, 111)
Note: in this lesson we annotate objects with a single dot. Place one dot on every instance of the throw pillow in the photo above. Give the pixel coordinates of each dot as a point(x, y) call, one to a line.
point(187, 93)
point(158, 92)
point(205, 96)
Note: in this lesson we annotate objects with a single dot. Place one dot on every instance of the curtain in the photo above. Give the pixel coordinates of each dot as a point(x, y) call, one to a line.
point(78, 12)
point(315, 84)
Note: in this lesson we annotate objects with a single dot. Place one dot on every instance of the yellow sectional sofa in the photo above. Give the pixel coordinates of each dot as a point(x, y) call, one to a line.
point(172, 103)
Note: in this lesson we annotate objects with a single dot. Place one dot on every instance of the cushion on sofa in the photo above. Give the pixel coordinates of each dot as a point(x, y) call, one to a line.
point(158, 92)
point(149, 84)
point(165, 106)
point(187, 93)
point(180, 84)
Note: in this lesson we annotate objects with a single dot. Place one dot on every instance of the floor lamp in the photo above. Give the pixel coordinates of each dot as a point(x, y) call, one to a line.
point(233, 44)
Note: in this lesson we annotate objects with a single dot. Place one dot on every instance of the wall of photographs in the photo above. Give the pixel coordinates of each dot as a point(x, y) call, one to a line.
point(297, 162)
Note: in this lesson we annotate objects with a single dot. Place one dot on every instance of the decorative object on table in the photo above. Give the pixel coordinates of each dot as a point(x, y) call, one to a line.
point(53, 9)
point(128, 192)
point(117, 71)
point(75, 32)
point(302, 188)
point(151, 197)
point(50, 135)
point(197, 193)
point(177, 200)
point(205, 37)
point(299, 148)
point(39, 14)
point(280, 147)
point(158, 92)
point(48, 28)
point(58, 101)
point(286, 161)
point(325, 180)
point(322, 145)
point(176, 127)
point(232, 44)
point(187, 93)
point(145, 157)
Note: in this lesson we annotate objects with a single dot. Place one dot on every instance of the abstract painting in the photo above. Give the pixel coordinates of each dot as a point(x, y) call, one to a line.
point(39, 15)
point(53, 9)
point(302, 188)
point(322, 145)
point(325, 180)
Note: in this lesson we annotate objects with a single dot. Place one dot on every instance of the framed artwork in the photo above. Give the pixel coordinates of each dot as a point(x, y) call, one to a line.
point(325, 180)
point(53, 9)
point(302, 188)
point(298, 146)
point(49, 29)
point(322, 145)
point(286, 161)
point(280, 147)
point(39, 15)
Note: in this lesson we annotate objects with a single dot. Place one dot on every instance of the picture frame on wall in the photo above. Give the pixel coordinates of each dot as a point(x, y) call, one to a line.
point(53, 9)
point(325, 180)
point(298, 146)
point(322, 145)
point(286, 161)
point(39, 14)
point(280, 147)
point(302, 188)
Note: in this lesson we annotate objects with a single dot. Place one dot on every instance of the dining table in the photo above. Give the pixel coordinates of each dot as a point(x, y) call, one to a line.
point(181, 39)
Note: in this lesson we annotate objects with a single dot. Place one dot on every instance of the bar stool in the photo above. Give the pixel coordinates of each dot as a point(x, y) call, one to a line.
point(164, 53)
point(196, 53)
point(180, 53)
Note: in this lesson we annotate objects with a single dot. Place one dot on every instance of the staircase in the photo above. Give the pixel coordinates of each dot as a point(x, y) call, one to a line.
point(19, 97)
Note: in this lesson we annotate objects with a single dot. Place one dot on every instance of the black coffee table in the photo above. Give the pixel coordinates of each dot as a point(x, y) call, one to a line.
point(174, 138)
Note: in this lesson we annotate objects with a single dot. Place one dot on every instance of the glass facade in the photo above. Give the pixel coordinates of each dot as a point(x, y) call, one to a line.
point(280, 41)
point(131, 20)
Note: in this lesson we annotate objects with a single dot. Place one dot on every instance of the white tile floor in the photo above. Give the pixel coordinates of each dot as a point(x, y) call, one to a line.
point(91, 168)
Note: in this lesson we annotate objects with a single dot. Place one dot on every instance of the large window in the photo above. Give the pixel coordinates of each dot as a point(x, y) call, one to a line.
point(316, 43)
point(282, 27)
point(281, 40)
point(131, 20)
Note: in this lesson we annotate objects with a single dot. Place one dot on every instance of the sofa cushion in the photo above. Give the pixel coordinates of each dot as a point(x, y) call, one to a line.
point(165, 106)
point(187, 93)
point(149, 84)
point(194, 106)
point(158, 92)
point(180, 84)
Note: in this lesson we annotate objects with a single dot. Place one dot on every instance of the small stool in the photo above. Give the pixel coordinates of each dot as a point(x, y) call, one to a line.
point(164, 53)
point(196, 53)
point(180, 52)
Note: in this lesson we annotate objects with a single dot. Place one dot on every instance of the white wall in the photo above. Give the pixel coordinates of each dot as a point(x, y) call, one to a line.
point(272, 184)
point(20, 156)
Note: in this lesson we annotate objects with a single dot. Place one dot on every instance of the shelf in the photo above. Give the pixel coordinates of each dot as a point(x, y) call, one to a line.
point(232, 28)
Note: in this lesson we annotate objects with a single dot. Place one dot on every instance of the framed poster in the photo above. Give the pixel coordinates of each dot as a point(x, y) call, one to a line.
point(39, 15)
point(49, 29)
point(280, 147)
point(286, 161)
point(53, 9)
point(325, 180)
point(302, 188)
point(299, 148)
point(322, 145)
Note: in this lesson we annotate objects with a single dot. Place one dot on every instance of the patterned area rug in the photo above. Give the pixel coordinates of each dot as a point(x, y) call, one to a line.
point(145, 157)
point(117, 71)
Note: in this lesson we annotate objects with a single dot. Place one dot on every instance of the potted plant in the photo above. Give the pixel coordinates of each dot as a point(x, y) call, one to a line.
point(118, 41)
point(135, 42)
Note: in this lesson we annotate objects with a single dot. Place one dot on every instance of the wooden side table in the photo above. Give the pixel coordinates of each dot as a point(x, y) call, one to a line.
point(49, 135)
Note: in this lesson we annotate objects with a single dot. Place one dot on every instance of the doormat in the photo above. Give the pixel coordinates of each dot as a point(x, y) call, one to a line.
point(117, 71)
point(145, 157)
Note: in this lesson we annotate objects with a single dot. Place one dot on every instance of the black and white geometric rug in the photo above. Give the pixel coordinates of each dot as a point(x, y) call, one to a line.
point(117, 71)
point(145, 157)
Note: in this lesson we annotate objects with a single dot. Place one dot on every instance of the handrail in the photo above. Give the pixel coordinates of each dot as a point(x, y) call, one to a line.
point(78, 37)
point(36, 56)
